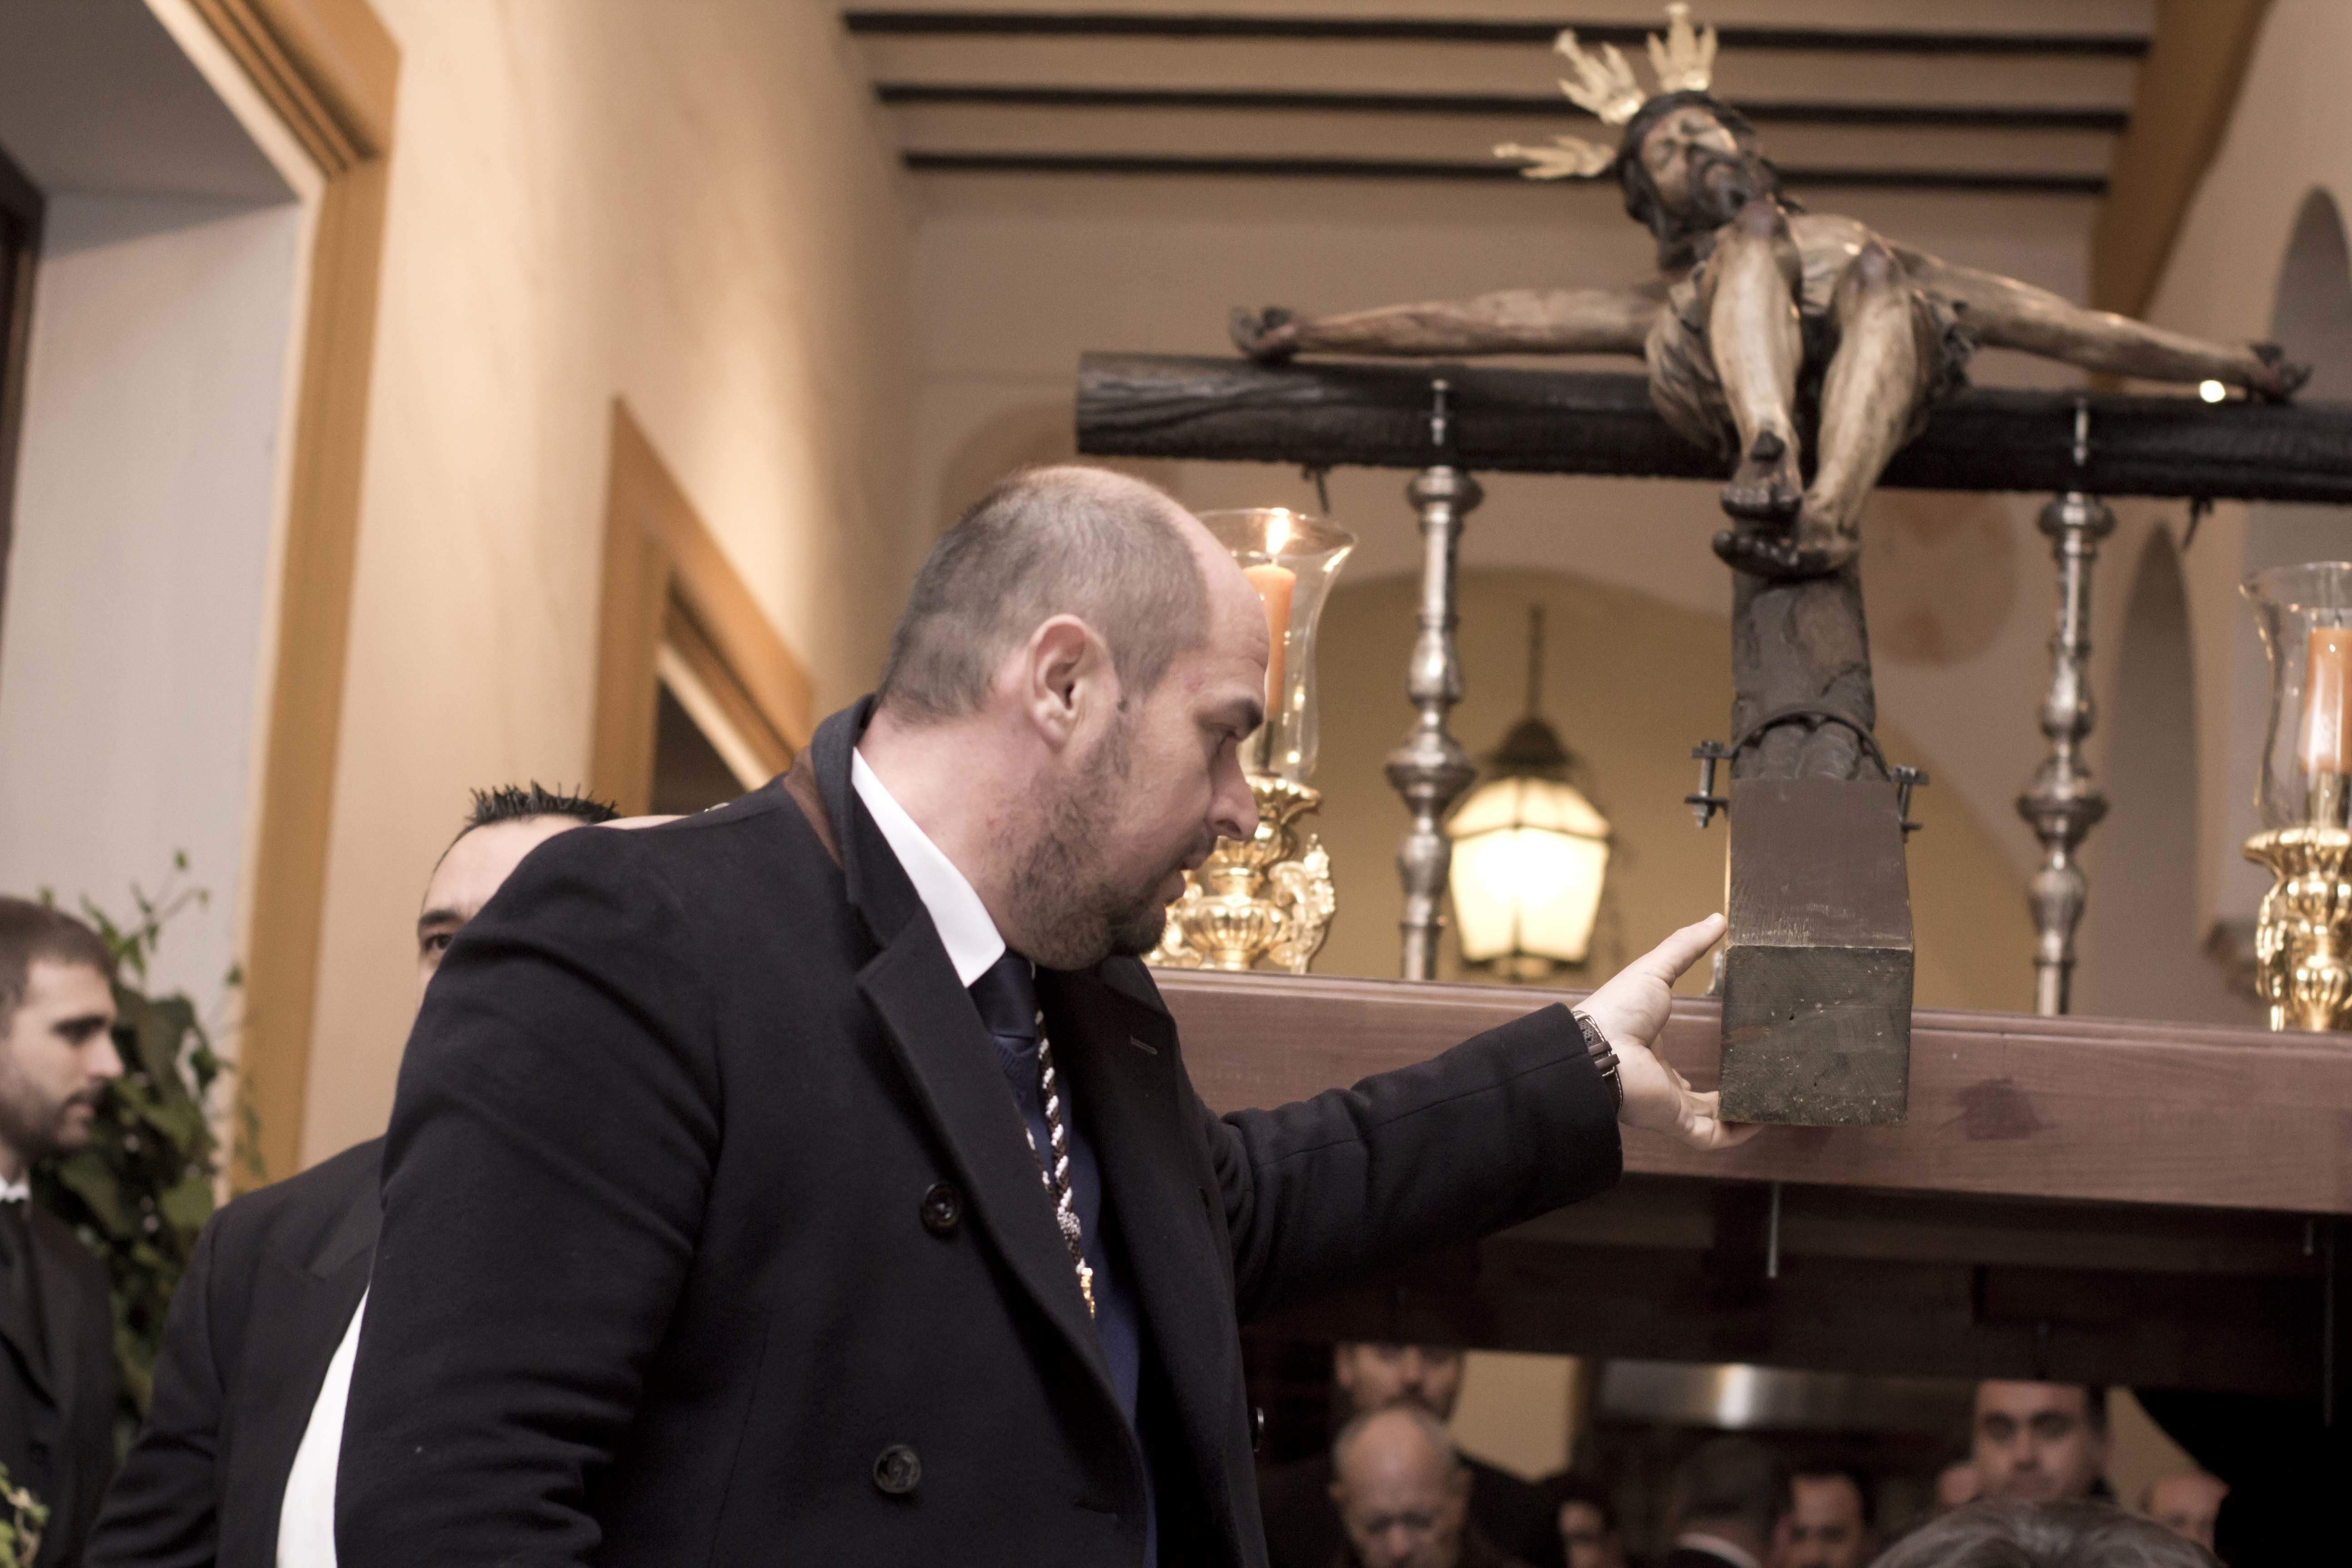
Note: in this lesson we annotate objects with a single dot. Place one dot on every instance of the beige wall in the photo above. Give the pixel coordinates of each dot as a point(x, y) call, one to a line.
point(2291, 135)
point(686, 206)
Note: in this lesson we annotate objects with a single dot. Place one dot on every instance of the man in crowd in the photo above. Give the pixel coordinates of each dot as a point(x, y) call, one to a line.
point(1587, 1520)
point(1302, 1527)
point(2040, 1442)
point(235, 1463)
point(2187, 1504)
point(56, 1319)
point(1829, 1523)
point(818, 1179)
point(1403, 1496)
point(1722, 1505)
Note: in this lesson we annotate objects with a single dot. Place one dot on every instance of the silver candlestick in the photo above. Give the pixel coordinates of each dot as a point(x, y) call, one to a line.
point(2061, 803)
point(1429, 768)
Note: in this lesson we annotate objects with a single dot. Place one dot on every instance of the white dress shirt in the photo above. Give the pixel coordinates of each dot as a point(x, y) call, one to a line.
point(306, 1520)
point(966, 930)
point(21, 1189)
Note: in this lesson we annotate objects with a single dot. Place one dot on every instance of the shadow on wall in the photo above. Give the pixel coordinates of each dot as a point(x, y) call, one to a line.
point(2141, 949)
point(1631, 682)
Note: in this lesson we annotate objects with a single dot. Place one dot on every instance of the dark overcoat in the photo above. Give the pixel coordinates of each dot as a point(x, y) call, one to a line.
point(56, 1391)
point(261, 1311)
point(711, 1235)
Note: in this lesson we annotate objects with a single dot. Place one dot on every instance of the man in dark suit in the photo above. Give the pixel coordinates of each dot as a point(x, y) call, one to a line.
point(235, 1462)
point(56, 1312)
point(817, 1179)
point(1722, 1505)
point(1302, 1524)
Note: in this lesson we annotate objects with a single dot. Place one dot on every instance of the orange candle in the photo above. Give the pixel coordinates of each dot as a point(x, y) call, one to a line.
point(2327, 702)
point(1274, 584)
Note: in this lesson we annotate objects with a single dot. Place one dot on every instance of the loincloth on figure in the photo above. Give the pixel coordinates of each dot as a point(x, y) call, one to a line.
point(1688, 393)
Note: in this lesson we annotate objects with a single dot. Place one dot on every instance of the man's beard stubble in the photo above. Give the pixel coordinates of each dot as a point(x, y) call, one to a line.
point(38, 1129)
point(1074, 914)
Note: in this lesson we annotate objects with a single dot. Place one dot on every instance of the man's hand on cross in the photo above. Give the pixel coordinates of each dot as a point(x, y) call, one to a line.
point(1631, 1011)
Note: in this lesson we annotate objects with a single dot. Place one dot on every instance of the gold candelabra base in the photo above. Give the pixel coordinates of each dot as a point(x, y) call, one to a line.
point(2303, 935)
point(1269, 897)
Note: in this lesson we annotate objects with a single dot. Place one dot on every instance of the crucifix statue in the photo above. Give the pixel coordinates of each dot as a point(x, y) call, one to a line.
point(1767, 327)
point(1765, 319)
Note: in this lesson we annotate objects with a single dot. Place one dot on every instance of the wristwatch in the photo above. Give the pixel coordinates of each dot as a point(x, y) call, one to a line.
point(1602, 1055)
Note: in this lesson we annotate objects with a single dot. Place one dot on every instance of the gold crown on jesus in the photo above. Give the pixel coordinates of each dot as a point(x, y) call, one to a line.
point(1683, 60)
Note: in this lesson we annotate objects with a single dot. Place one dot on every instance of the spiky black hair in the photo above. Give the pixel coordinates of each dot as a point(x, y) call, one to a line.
point(512, 802)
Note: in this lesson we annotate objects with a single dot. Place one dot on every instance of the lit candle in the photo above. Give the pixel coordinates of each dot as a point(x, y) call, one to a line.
point(1274, 584)
point(2327, 704)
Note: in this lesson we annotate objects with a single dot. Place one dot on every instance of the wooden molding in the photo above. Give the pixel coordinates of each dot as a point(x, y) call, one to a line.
point(683, 633)
point(2101, 1110)
point(21, 209)
point(329, 68)
point(667, 580)
point(2188, 86)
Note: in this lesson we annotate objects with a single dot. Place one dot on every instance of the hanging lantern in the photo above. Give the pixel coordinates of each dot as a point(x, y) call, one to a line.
point(1530, 851)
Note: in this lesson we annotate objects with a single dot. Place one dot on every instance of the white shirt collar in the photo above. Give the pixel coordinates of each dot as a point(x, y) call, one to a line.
point(1708, 1542)
point(965, 929)
point(22, 1187)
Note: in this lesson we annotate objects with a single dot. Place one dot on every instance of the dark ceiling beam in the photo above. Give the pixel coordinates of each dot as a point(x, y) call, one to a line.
point(1547, 106)
point(1452, 30)
point(1346, 414)
point(1316, 168)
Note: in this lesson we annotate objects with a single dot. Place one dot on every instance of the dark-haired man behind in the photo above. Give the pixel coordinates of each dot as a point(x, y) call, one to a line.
point(2041, 1442)
point(56, 1321)
point(1722, 1504)
point(1829, 1523)
point(236, 1464)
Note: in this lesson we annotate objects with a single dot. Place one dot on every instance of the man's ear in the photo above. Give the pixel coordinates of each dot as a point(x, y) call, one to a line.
point(1063, 658)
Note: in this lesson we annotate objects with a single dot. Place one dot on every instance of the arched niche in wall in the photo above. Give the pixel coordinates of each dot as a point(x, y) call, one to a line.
point(1629, 680)
point(2313, 318)
point(2140, 942)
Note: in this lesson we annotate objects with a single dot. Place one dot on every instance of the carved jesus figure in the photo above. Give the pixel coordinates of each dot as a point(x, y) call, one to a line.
point(1765, 319)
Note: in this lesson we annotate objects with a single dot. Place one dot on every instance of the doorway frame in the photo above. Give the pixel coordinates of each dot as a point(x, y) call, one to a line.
point(329, 70)
point(671, 596)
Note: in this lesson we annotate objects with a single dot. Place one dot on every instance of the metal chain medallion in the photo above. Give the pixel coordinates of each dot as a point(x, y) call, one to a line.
point(1057, 1171)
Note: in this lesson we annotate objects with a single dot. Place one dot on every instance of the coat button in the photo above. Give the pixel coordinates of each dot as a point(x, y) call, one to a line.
point(898, 1471)
point(1257, 1427)
point(942, 1208)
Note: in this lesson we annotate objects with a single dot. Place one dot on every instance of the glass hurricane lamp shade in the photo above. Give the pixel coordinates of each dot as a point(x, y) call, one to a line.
point(1530, 854)
point(2304, 616)
point(2302, 933)
point(1290, 557)
point(1268, 899)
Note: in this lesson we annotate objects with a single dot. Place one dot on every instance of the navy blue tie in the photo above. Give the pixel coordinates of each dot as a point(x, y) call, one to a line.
point(1006, 996)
